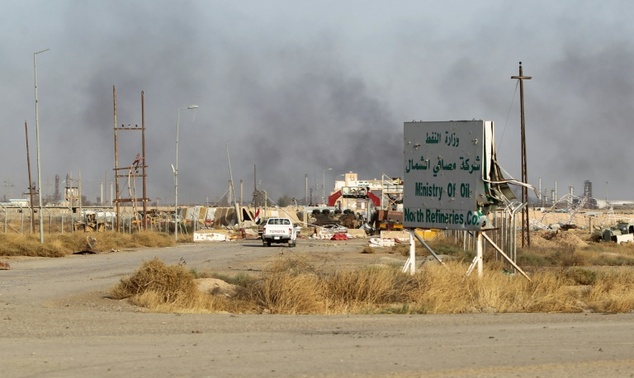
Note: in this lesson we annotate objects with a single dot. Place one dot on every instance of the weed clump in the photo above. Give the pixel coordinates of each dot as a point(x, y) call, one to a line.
point(165, 284)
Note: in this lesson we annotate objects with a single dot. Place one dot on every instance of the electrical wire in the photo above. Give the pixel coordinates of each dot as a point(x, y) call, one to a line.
point(508, 114)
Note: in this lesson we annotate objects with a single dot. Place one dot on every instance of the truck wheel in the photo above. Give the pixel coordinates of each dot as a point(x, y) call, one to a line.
point(268, 243)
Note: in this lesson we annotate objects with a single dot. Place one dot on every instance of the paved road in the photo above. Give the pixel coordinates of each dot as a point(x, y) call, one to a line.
point(54, 322)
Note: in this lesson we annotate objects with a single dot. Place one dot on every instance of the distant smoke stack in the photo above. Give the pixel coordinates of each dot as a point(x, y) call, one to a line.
point(57, 194)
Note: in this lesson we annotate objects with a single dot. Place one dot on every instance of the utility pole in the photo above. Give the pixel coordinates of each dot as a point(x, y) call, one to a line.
point(37, 142)
point(256, 202)
point(526, 236)
point(28, 167)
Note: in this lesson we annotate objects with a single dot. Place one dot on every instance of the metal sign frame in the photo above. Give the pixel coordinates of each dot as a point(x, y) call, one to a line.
point(445, 166)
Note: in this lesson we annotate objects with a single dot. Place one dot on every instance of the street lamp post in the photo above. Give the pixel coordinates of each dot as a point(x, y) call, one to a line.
point(37, 142)
point(323, 184)
point(175, 170)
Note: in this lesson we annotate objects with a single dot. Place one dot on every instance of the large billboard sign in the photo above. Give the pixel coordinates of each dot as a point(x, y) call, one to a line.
point(446, 164)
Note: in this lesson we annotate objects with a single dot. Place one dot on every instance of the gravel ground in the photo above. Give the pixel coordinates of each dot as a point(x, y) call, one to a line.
point(57, 322)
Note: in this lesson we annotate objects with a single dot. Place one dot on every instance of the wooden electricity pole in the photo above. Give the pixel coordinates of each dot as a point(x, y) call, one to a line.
point(526, 236)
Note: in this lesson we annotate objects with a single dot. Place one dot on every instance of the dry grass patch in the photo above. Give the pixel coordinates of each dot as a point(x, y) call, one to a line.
point(115, 240)
point(564, 279)
point(168, 284)
point(367, 289)
point(162, 288)
point(293, 286)
point(448, 290)
point(29, 245)
point(290, 286)
point(59, 245)
point(612, 291)
point(599, 254)
point(286, 293)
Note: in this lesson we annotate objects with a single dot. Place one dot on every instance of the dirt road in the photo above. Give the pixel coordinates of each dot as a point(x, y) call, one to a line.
point(55, 322)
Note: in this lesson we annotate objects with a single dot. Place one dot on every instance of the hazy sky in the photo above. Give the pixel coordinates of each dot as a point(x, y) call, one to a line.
point(296, 87)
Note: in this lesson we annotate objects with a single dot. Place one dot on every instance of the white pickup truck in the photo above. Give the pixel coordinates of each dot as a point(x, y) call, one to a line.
point(279, 230)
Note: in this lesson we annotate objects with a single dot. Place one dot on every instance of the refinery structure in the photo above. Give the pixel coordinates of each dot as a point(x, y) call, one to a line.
point(374, 203)
point(378, 201)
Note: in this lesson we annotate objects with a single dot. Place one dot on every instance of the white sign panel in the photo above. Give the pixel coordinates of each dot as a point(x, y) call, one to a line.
point(445, 163)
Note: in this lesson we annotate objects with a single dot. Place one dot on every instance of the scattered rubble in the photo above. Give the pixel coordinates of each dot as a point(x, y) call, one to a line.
point(207, 235)
point(339, 236)
point(381, 242)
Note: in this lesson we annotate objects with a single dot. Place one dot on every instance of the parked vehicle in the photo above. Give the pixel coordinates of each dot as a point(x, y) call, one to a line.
point(279, 230)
